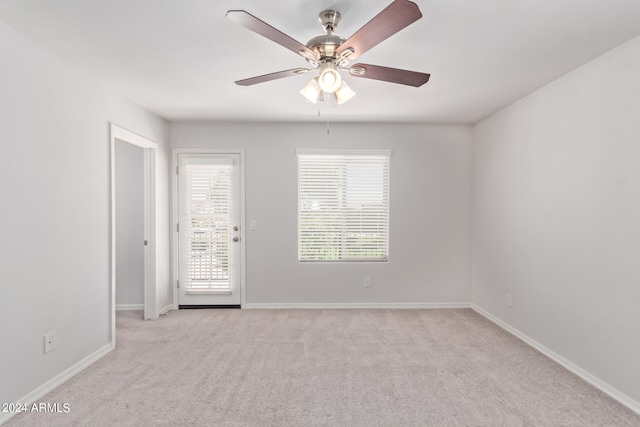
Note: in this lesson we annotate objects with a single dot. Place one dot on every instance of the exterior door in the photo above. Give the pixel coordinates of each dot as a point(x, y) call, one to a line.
point(209, 229)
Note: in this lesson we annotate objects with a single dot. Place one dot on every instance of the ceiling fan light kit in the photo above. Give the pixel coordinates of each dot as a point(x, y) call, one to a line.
point(329, 54)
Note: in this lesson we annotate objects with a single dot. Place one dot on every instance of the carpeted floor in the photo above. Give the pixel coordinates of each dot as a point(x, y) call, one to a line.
point(325, 368)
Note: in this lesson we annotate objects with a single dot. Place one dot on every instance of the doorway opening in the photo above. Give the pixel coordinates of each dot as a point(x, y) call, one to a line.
point(129, 190)
point(133, 237)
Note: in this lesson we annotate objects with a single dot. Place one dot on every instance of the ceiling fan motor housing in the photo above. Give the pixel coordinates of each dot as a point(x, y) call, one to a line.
point(326, 46)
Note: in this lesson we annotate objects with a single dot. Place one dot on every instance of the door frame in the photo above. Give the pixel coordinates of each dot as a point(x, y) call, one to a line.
point(175, 215)
point(149, 149)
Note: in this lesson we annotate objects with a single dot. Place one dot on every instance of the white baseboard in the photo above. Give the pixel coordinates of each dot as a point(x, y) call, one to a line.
point(165, 310)
point(58, 380)
point(363, 305)
point(591, 379)
point(129, 307)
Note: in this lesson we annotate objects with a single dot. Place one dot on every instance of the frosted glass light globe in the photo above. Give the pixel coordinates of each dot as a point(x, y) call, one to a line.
point(330, 79)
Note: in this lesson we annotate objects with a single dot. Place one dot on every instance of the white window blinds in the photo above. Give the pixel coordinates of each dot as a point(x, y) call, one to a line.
point(343, 205)
point(208, 218)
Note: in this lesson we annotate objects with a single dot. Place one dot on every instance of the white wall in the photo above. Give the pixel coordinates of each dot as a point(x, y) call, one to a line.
point(129, 183)
point(429, 212)
point(556, 217)
point(54, 238)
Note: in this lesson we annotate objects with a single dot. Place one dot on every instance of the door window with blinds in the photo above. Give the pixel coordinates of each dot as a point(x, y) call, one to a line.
point(207, 226)
point(343, 205)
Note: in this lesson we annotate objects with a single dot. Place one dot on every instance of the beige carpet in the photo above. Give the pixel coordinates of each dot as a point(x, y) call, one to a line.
point(325, 368)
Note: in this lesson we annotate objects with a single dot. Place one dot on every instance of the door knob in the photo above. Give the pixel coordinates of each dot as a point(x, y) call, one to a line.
point(236, 239)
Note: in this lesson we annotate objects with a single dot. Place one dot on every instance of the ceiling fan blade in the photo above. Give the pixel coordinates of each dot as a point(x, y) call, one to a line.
point(395, 17)
point(257, 26)
point(273, 76)
point(393, 75)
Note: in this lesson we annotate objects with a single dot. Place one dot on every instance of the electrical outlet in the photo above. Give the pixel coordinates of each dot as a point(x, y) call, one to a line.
point(49, 342)
point(367, 282)
point(253, 224)
point(509, 300)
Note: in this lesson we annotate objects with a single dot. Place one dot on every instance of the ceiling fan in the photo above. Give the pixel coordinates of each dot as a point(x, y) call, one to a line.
point(330, 53)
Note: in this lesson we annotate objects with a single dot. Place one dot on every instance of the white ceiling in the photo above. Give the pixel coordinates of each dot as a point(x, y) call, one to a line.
point(179, 58)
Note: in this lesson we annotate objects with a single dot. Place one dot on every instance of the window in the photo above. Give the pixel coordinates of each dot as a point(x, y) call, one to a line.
point(343, 205)
point(207, 219)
